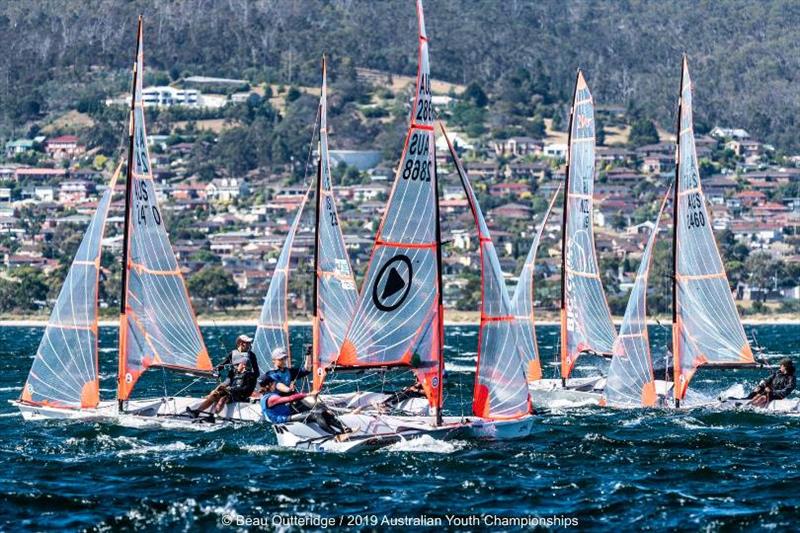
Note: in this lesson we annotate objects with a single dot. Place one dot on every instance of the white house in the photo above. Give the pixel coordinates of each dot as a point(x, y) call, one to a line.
point(226, 189)
point(165, 96)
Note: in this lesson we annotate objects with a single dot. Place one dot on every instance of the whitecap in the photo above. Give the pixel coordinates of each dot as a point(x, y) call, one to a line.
point(426, 444)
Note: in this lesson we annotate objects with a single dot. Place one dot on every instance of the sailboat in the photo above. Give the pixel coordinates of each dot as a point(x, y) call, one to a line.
point(501, 400)
point(158, 327)
point(397, 324)
point(397, 321)
point(64, 378)
point(706, 328)
point(586, 325)
point(707, 331)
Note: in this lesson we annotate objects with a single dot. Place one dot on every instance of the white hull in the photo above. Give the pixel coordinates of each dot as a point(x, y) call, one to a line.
point(375, 431)
point(175, 408)
point(369, 431)
point(775, 406)
point(33, 413)
point(579, 392)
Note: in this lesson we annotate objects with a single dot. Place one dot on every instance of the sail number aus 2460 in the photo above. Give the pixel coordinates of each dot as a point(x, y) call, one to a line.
point(695, 217)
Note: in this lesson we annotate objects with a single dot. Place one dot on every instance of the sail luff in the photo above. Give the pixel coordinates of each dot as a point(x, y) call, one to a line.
point(707, 330)
point(65, 371)
point(500, 388)
point(123, 299)
point(522, 301)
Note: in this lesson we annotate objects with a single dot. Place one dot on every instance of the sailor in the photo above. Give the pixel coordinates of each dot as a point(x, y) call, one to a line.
point(284, 376)
point(412, 391)
point(776, 387)
point(297, 407)
point(240, 382)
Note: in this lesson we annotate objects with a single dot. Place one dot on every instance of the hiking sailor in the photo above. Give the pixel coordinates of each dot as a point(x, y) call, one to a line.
point(240, 382)
point(776, 387)
point(297, 407)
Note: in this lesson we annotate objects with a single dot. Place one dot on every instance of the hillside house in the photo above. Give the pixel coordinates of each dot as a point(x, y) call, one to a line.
point(64, 147)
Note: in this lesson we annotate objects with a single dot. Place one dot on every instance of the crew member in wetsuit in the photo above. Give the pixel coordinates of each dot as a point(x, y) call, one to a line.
point(297, 407)
point(776, 387)
point(285, 377)
point(240, 382)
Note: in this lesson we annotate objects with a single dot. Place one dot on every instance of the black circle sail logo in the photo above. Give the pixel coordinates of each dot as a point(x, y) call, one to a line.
point(393, 283)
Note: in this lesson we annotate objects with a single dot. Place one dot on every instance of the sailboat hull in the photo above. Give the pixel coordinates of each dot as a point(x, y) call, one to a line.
point(579, 392)
point(369, 431)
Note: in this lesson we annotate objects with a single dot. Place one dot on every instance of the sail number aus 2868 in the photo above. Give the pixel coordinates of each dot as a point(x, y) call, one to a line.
point(418, 169)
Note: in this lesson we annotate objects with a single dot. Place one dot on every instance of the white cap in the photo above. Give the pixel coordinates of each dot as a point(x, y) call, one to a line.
point(244, 338)
point(279, 353)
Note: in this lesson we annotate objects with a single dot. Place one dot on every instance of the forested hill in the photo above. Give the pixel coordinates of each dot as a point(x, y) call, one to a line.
point(742, 53)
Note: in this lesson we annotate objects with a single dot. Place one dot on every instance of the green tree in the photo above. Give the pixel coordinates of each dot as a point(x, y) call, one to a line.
point(215, 287)
point(475, 94)
point(643, 131)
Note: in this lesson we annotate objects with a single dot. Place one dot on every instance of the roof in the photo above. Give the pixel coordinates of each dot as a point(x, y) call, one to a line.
point(63, 139)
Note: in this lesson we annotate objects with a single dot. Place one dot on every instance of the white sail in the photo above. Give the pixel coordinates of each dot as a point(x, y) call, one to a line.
point(586, 324)
point(631, 381)
point(397, 321)
point(522, 302)
point(335, 287)
point(707, 328)
point(500, 390)
point(158, 326)
point(64, 371)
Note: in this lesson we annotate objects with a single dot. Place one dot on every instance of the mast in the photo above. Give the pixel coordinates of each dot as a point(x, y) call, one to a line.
point(123, 300)
point(315, 303)
point(675, 328)
point(564, 232)
point(440, 313)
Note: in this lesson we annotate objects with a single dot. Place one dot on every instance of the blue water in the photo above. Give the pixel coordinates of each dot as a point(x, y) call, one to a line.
point(603, 467)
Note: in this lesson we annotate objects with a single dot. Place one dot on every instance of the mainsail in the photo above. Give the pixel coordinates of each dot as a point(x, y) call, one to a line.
point(157, 323)
point(398, 319)
point(586, 324)
point(501, 390)
point(706, 325)
point(65, 370)
point(273, 324)
point(631, 381)
point(522, 303)
point(335, 288)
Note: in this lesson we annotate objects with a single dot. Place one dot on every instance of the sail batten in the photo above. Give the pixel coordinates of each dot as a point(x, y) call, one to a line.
point(522, 302)
point(157, 323)
point(707, 329)
point(397, 318)
point(586, 324)
point(64, 372)
point(500, 389)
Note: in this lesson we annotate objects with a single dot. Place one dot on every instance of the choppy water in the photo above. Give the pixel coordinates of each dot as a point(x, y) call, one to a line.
point(606, 468)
